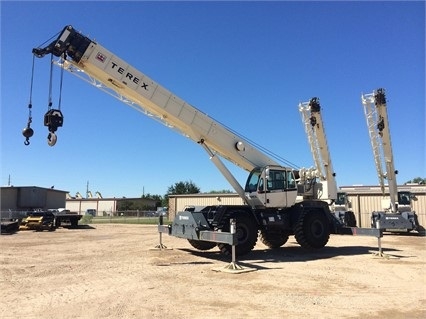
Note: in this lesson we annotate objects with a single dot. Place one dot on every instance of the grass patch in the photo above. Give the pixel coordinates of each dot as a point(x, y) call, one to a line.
point(122, 220)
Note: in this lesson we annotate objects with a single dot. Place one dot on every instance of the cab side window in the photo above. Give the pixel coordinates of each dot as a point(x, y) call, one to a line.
point(277, 180)
point(261, 185)
point(291, 180)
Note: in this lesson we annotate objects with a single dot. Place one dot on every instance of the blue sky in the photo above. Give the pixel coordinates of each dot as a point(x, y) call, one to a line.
point(246, 64)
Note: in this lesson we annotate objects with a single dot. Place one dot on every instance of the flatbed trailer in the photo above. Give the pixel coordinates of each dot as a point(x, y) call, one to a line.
point(70, 218)
point(49, 220)
point(10, 221)
point(9, 227)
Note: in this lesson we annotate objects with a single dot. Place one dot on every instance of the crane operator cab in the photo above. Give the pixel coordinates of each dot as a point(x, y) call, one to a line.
point(271, 187)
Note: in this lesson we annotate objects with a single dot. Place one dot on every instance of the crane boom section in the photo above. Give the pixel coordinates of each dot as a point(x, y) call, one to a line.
point(378, 127)
point(105, 69)
point(314, 128)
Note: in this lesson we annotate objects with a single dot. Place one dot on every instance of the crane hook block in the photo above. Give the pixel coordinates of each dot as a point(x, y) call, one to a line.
point(53, 119)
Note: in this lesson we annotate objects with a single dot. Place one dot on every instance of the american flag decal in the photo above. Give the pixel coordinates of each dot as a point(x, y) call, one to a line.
point(101, 57)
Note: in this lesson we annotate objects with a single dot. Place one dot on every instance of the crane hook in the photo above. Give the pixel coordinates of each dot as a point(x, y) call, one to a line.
point(51, 139)
point(28, 131)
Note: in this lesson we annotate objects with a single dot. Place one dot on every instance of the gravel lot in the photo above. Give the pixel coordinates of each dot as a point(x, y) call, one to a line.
point(114, 271)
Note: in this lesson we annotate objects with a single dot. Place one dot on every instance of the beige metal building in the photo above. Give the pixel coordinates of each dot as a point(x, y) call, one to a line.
point(105, 206)
point(364, 200)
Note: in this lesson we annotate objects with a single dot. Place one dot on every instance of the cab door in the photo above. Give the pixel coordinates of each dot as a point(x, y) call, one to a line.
point(273, 187)
point(280, 188)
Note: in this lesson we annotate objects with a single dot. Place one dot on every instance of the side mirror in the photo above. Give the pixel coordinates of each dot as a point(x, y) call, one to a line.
point(413, 197)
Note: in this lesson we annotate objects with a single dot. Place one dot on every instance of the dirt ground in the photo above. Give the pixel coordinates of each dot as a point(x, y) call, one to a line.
point(114, 271)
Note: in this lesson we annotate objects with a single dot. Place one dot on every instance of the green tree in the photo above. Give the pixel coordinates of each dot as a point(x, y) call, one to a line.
point(180, 188)
point(417, 180)
point(183, 188)
point(159, 200)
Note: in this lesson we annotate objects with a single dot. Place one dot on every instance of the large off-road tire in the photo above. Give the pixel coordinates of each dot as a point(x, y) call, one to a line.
point(350, 219)
point(51, 226)
point(312, 230)
point(273, 239)
point(246, 229)
point(202, 244)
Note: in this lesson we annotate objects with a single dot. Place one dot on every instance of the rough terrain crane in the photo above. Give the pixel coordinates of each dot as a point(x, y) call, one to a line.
point(270, 191)
point(315, 131)
point(397, 214)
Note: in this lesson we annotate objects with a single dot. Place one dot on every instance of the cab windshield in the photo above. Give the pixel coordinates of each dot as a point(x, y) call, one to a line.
point(341, 199)
point(253, 180)
point(404, 198)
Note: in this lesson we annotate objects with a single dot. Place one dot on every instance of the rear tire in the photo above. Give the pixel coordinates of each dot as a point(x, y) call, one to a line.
point(246, 229)
point(350, 219)
point(273, 239)
point(312, 230)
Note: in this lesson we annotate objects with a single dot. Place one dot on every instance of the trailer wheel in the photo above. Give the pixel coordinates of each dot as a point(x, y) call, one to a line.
point(350, 219)
point(246, 234)
point(312, 229)
point(74, 222)
point(273, 239)
point(202, 244)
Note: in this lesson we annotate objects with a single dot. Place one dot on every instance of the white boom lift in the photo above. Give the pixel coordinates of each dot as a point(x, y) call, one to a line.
point(271, 189)
point(315, 131)
point(397, 215)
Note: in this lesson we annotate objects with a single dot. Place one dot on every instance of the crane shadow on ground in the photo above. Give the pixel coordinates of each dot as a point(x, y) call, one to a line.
point(79, 227)
point(258, 257)
point(419, 233)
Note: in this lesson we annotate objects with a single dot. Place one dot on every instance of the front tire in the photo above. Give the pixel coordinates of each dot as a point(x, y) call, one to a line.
point(202, 244)
point(246, 229)
point(312, 230)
